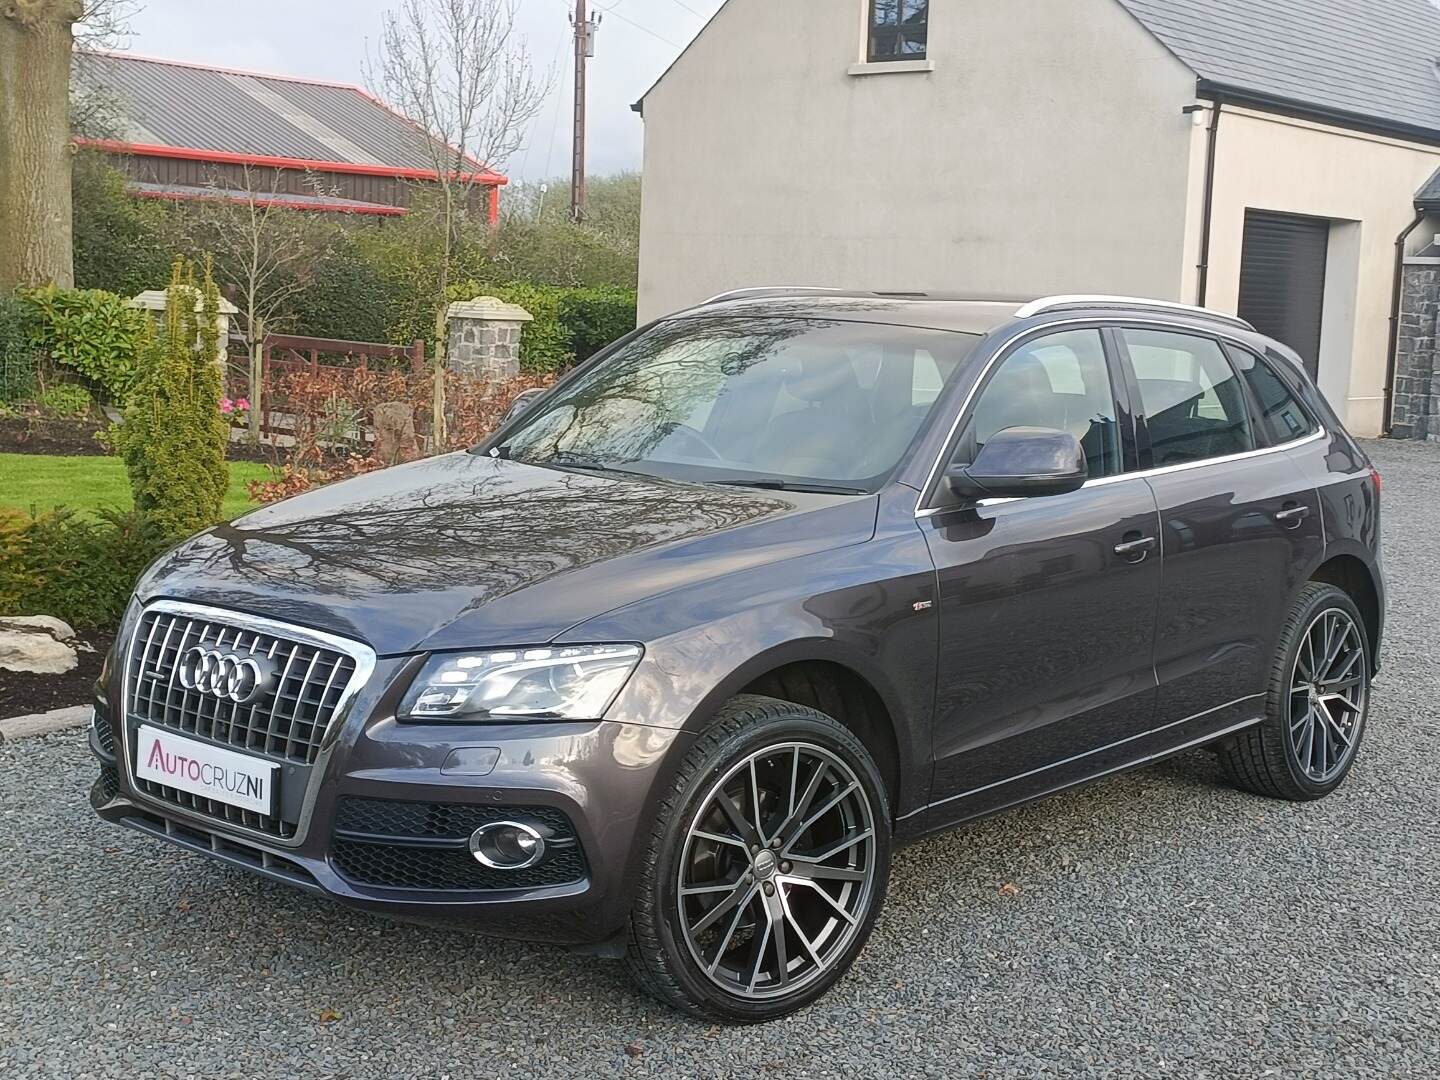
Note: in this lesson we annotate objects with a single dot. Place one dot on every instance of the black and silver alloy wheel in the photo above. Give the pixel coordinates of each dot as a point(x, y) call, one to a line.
point(1315, 705)
point(766, 867)
point(1327, 695)
point(777, 870)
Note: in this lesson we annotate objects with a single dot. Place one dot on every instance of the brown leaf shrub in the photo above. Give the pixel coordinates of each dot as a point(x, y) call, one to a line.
point(331, 412)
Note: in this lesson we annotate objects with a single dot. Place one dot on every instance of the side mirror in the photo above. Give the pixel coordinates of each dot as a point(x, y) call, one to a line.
point(1021, 462)
point(522, 401)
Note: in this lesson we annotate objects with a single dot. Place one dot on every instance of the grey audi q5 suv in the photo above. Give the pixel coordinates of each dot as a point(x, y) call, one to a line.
point(668, 667)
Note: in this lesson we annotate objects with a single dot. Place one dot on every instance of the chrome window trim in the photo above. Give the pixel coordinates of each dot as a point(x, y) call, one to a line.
point(363, 655)
point(1004, 350)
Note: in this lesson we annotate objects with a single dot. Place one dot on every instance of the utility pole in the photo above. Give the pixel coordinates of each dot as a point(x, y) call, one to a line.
point(585, 28)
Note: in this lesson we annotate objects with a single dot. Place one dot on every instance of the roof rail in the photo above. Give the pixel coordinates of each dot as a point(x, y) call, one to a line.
point(1052, 303)
point(774, 290)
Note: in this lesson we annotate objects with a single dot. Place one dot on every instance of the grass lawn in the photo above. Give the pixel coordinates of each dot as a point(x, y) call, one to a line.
point(93, 483)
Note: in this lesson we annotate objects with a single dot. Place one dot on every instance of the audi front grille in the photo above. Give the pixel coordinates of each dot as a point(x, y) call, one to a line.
point(312, 677)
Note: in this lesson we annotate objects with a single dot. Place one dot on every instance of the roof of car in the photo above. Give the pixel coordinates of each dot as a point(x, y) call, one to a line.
point(957, 313)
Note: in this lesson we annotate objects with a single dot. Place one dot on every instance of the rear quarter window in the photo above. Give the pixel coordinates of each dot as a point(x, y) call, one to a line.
point(1282, 418)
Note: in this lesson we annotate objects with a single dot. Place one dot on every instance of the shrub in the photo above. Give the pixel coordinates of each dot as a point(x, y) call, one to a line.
point(19, 360)
point(544, 344)
point(76, 568)
point(174, 437)
point(475, 409)
point(593, 318)
point(90, 331)
point(65, 400)
point(122, 243)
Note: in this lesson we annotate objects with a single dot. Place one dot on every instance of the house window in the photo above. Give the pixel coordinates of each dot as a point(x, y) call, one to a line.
point(898, 30)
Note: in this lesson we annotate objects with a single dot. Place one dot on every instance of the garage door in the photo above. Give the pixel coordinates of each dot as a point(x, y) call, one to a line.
point(1282, 279)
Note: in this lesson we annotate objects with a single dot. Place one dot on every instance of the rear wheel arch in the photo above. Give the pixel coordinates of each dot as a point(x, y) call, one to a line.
point(1352, 576)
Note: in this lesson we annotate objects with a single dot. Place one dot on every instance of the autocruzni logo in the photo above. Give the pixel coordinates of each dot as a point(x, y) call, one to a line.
point(215, 777)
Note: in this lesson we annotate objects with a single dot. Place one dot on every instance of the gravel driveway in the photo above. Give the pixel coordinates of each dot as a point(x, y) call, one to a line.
point(1154, 924)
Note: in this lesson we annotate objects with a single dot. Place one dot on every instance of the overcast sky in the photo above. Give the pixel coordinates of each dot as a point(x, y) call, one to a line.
point(328, 39)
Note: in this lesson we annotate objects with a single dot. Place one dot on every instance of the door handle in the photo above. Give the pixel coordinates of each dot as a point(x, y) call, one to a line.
point(1135, 548)
point(1292, 517)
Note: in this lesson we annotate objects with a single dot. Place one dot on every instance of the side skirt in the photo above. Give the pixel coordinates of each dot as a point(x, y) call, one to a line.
point(951, 812)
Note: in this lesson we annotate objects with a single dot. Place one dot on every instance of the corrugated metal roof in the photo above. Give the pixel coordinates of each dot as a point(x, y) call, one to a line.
point(1372, 59)
point(188, 106)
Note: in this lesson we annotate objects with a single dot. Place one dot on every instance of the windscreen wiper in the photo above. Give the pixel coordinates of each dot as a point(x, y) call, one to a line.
point(790, 485)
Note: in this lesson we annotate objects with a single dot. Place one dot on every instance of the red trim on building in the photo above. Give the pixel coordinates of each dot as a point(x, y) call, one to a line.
point(115, 146)
point(372, 209)
point(494, 206)
point(304, 81)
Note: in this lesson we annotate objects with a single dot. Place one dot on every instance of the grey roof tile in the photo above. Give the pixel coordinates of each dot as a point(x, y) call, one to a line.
point(199, 108)
point(1374, 59)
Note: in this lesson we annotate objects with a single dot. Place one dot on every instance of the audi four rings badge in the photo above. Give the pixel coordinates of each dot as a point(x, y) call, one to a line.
point(232, 676)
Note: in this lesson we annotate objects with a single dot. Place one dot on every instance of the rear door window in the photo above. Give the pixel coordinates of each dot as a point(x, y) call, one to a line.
point(1191, 398)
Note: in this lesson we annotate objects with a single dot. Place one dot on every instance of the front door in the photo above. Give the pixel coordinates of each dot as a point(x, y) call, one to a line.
point(1047, 605)
point(1240, 522)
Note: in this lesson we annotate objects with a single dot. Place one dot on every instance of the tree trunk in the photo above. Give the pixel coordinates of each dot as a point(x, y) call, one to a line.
point(437, 399)
point(257, 378)
point(35, 153)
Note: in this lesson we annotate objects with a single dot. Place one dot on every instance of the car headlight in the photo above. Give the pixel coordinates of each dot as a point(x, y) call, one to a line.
point(564, 682)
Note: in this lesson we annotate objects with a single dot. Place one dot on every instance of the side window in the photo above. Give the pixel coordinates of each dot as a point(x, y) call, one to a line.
point(1282, 419)
point(1193, 402)
point(1060, 382)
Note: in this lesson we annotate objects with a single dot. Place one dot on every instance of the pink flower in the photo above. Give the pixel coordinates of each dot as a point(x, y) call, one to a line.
point(243, 405)
point(226, 405)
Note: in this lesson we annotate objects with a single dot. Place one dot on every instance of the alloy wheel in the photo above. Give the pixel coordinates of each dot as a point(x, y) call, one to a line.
point(778, 870)
point(1328, 687)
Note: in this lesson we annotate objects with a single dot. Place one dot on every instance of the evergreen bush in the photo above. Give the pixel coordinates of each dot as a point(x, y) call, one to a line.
point(593, 318)
point(93, 332)
point(76, 568)
point(174, 437)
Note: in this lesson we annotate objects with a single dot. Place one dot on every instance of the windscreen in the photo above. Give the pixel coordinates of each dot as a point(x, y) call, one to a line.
point(792, 402)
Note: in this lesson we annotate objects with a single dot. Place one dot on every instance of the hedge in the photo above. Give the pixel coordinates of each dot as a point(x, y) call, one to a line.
point(74, 567)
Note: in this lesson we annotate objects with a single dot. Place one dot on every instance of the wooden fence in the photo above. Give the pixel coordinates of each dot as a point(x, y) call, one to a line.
point(285, 353)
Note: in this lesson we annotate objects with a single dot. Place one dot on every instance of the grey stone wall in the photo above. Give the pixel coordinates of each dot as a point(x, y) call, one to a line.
point(1416, 408)
point(483, 338)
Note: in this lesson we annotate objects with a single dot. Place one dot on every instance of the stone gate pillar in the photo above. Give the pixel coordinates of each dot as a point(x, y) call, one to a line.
point(154, 301)
point(483, 337)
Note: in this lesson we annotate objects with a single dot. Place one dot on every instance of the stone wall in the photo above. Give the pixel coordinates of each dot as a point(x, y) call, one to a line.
point(483, 337)
point(1416, 409)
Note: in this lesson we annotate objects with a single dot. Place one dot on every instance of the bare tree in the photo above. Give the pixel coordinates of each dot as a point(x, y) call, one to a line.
point(458, 69)
point(264, 254)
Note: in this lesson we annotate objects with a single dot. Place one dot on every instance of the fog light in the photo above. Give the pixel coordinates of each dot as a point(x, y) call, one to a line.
point(507, 845)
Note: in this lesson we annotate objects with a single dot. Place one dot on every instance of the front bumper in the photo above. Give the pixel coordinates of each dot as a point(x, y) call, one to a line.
point(597, 777)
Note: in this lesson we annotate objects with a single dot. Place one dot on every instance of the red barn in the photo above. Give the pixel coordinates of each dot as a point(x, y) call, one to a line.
point(188, 131)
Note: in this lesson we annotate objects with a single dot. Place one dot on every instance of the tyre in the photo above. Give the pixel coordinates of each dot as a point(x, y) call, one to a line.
point(1316, 703)
point(765, 868)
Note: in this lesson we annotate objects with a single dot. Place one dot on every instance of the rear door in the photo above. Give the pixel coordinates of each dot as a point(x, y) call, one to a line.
point(1240, 525)
point(1047, 605)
